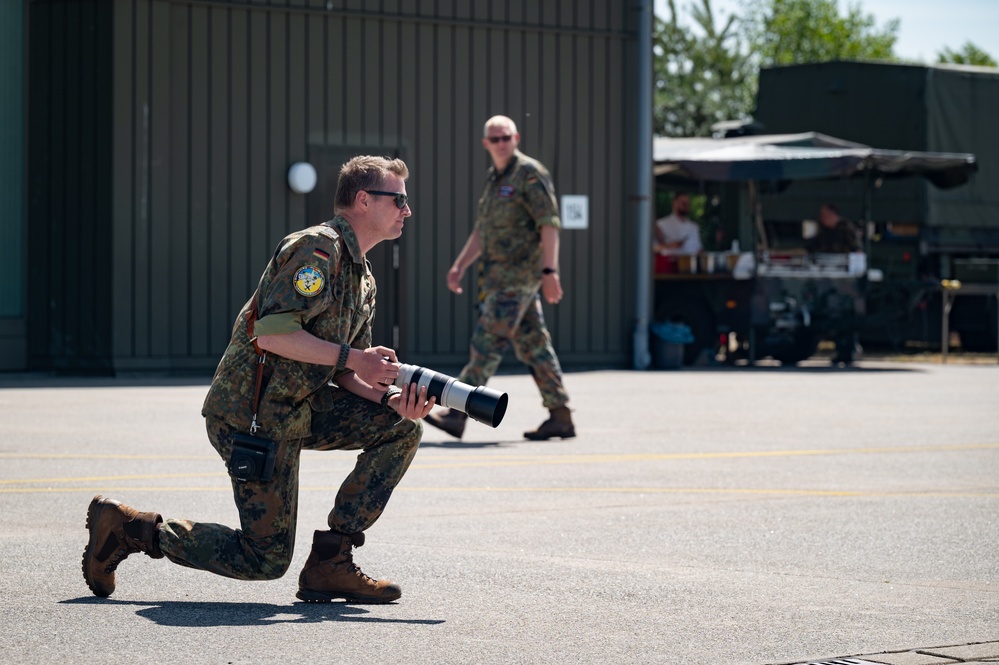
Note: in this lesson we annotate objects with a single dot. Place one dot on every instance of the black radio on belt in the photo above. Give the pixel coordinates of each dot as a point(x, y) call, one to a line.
point(252, 458)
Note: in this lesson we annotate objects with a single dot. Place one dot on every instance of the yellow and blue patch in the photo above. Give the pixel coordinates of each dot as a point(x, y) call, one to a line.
point(309, 281)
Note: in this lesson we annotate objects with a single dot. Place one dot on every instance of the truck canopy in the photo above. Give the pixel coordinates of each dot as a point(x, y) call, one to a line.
point(938, 108)
point(804, 156)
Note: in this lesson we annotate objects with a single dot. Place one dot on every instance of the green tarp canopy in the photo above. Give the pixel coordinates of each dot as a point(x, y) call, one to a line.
point(805, 156)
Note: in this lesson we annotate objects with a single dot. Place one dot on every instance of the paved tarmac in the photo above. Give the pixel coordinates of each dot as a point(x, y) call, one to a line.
point(759, 516)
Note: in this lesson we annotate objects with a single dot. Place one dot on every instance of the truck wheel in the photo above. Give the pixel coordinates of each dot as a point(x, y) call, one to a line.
point(974, 319)
point(695, 314)
point(801, 347)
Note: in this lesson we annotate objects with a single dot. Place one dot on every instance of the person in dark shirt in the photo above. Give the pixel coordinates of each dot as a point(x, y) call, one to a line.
point(836, 235)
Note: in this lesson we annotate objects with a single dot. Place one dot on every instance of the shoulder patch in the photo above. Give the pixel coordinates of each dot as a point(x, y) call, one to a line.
point(328, 232)
point(309, 281)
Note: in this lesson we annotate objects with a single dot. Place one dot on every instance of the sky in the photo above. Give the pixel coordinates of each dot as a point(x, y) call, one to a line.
point(926, 26)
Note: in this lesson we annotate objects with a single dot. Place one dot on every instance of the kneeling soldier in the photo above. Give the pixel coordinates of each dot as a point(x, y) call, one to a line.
point(299, 373)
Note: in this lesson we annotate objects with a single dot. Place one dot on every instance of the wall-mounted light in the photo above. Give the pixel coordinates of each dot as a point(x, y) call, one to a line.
point(302, 177)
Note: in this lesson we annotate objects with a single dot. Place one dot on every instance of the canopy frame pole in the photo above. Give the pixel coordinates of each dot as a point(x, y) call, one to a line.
point(754, 248)
point(641, 356)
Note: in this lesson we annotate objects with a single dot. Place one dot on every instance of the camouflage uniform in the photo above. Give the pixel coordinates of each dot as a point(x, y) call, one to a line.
point(298, 409)
point(515, 204)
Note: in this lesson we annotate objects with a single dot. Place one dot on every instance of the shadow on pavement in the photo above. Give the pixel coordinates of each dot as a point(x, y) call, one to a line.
point(195, 614)
point(464, 445)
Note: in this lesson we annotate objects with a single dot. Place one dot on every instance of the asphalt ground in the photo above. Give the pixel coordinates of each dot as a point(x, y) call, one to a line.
point(733, 515)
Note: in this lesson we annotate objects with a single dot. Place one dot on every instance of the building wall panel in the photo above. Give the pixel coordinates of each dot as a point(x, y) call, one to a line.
point(212, 101)
point(68, 255)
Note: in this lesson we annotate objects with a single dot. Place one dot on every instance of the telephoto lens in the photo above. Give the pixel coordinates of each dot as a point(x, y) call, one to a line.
point(483, 404)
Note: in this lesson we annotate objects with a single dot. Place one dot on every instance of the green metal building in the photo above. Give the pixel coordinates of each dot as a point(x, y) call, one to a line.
point(145, 146)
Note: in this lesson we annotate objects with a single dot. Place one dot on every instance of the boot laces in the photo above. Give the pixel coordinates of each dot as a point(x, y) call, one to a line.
point(360, 573)
point(119, 555)
point(353, 567)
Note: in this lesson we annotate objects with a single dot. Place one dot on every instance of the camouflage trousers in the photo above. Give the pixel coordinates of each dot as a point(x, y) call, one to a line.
point(514, 317)
point(263, 546)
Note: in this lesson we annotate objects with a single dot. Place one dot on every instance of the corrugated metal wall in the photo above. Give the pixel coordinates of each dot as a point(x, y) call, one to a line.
point(69, 183)
point(214, 100)
point(12, 44)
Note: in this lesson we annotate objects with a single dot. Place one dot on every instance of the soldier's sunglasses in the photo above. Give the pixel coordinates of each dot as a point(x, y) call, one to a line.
point(401, 200)
point(496, 139)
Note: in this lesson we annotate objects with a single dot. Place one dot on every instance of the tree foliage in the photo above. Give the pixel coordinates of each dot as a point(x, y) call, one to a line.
point(785, 32)
point(969, 54)
point(707, 72)
point(701, 76)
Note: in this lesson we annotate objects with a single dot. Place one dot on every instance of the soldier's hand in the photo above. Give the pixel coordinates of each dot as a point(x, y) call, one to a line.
point(454, 276)
point(551, 288)
point(412, 403)
point(377, 366)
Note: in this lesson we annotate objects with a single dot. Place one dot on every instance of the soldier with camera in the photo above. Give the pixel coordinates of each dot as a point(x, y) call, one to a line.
point(299, 373)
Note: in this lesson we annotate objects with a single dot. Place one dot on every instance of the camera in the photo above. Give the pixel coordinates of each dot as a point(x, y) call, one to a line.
point(252, 458)
point(483, 404)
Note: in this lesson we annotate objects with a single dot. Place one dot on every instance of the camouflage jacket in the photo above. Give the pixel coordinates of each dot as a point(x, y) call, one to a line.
point(515, 204)
point(294, 294)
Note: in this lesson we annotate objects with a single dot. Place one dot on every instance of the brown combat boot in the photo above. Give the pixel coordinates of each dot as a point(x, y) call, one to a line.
point(330, 573)
point(449, 420)
point(559, 424)
point(115, 532)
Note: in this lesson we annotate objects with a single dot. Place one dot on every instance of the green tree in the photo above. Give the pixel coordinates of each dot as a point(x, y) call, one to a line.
point(968, 55)
point(701, 75)
point(785, 32)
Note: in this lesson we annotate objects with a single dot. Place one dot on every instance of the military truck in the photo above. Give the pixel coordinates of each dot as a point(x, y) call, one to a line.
point(918, 236)
point(774, 299)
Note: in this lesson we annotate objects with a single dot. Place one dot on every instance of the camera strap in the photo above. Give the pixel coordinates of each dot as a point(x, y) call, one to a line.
point(261, 354)
point(261, 359)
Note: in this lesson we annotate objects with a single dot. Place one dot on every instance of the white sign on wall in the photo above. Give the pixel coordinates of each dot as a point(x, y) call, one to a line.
point(575, 211)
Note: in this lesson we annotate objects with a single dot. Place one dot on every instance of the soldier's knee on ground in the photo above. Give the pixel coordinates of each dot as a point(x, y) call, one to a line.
point(269, 557)
point(274, 569)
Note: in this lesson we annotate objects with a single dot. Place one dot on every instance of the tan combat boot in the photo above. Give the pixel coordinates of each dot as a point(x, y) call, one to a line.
point(330, 573)
point(115, 532)
point(559, 424)
point(449, 420)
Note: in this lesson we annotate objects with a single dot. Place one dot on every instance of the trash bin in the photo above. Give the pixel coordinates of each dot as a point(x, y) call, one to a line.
point(668, 340)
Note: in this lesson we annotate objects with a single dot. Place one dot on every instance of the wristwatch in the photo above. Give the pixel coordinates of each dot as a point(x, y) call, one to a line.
point(388, 394)
point(341, 362)
point(549, 271)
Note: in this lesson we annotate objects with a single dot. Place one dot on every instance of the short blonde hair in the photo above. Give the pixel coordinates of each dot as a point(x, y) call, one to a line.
point(499, 121)
point(364, 172)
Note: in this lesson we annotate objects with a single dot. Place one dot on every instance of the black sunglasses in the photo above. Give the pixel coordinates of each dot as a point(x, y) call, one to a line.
point(496, 139)
point(401, 200)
